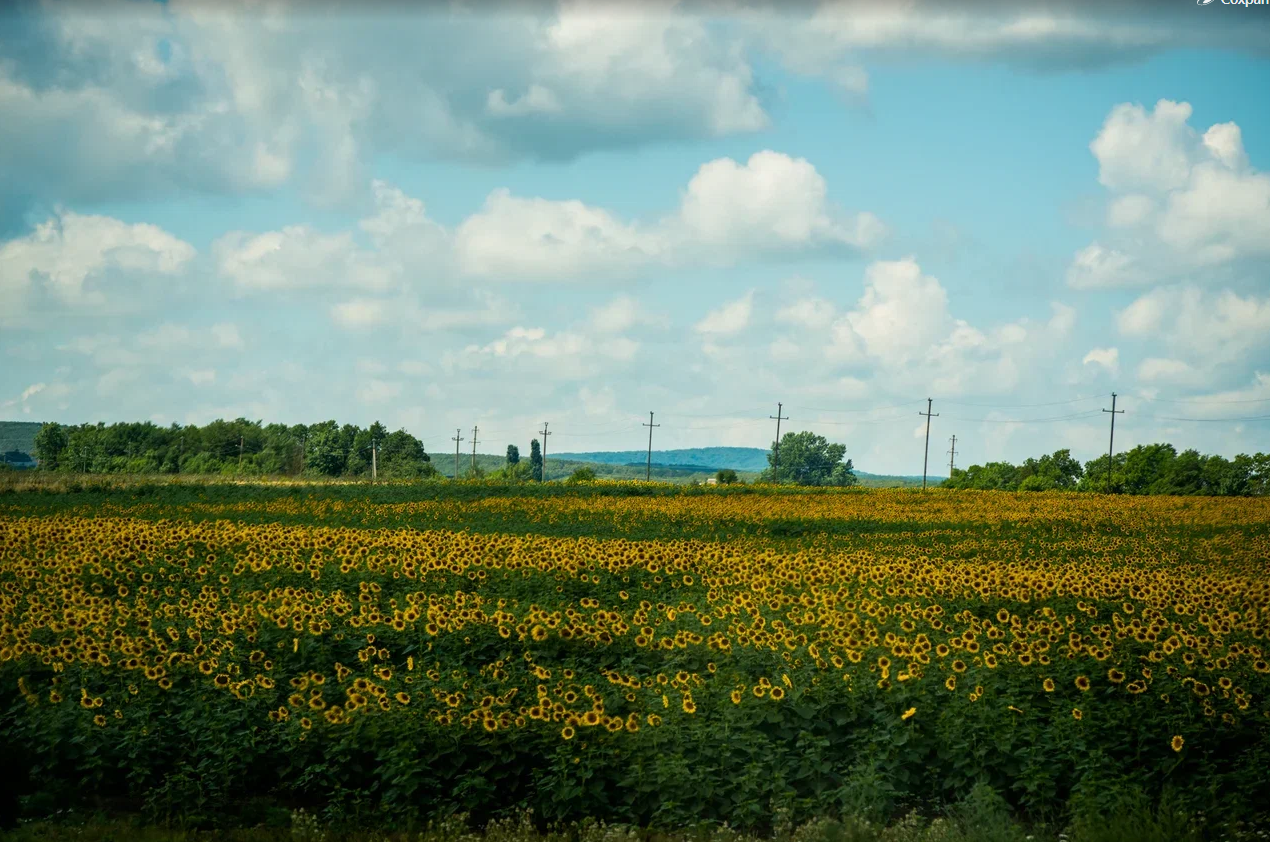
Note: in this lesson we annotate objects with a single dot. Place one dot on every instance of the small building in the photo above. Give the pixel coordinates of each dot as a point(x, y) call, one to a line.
point(712, 481)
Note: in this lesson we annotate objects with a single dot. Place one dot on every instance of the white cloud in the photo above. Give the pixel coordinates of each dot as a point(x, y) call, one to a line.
point(1210, 328)
point(1145, 314)
point(1157, 369)
point(294, 257)
point(901, 313)
point(1097, 266)
point(314, 94)
point(771, 202)
point(200, 376)
point(72, 258)
point(618, 316)
point(512, 238)
point(359, 313)
point(226, 335)
point(1180, 203)
point(378, 391)
point(729, 319)
point(809, 313)
point(1107, 358)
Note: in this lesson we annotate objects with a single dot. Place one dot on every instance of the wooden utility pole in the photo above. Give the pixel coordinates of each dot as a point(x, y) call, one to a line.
point(776, 451)
point(952, 456)
point(374, 461)
point(544, 450)
point(648, 474)
point(1111, 444)
point(926, 457)
point(240, 454)
point(457, 438)
point(474, 430)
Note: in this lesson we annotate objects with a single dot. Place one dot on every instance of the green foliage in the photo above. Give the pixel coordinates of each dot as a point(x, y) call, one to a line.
point(727, 476)
point(582, 475)
point(239, 448)
point(805, 458)
point(1146, 469)
point(535, 461)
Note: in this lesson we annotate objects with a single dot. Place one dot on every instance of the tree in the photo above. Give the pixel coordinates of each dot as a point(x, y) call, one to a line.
point(50, 444)
point(727, 476)
point(582, 474)
point(535, 461)
point(808, 459)
point(513, 455)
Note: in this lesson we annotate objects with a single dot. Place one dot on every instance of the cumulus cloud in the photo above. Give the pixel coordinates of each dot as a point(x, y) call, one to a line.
point(1208, 328)
point(171, 94)
point(72, 259)
point(770, 205)
point(1178, 201)
point(1106, 358)
point(772, 202)
point(729, 319)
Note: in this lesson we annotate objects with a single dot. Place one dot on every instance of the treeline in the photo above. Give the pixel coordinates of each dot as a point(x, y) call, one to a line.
point(229, 448)
point(1146, 469)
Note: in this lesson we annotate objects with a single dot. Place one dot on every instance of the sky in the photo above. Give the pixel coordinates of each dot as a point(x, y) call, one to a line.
point(494, 215)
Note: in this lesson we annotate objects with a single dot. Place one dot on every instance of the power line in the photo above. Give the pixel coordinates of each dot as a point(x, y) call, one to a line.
point(1023, 405)
point(1207, 420)
point(1199, 401)
point(1023, 420)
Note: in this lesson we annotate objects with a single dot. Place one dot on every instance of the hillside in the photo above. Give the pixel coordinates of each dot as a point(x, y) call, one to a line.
point(706, 458)
point(18, 436)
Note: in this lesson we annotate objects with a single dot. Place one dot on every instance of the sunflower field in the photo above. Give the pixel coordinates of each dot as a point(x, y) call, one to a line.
point(653, 656)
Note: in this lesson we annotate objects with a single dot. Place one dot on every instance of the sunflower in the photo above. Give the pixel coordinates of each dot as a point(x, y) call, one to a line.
point(959, 666)
point(1115, 676)
point(736, 697)
point(908, 714)
point(100, 720)
point(1082, 684)
point(567, 732)
point(777, 693)
point(1076, 714)
point(951, 683)
point(1177, 743)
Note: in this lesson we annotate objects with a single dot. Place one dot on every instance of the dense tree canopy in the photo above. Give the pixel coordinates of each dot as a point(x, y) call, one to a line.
point(808, 459)
point(1146, 469)
point(238, 447)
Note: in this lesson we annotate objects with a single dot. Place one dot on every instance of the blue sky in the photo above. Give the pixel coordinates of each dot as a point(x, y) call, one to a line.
point(581, 212)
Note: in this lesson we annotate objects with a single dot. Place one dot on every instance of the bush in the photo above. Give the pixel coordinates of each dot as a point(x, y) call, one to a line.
point(582, 475)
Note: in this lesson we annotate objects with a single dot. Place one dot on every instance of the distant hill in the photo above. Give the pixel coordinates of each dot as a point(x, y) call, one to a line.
point(702, 458)
point(18, 438)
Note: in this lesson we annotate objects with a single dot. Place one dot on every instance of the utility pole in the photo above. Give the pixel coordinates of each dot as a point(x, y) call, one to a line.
point(648, 474)
point(952, 456)
point(544, 450)
point(1112, 442)
point(240, 454)
point(457, 438)
point(776, 451)
point(374, 461)
point(474, 429)
point(926, 458)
